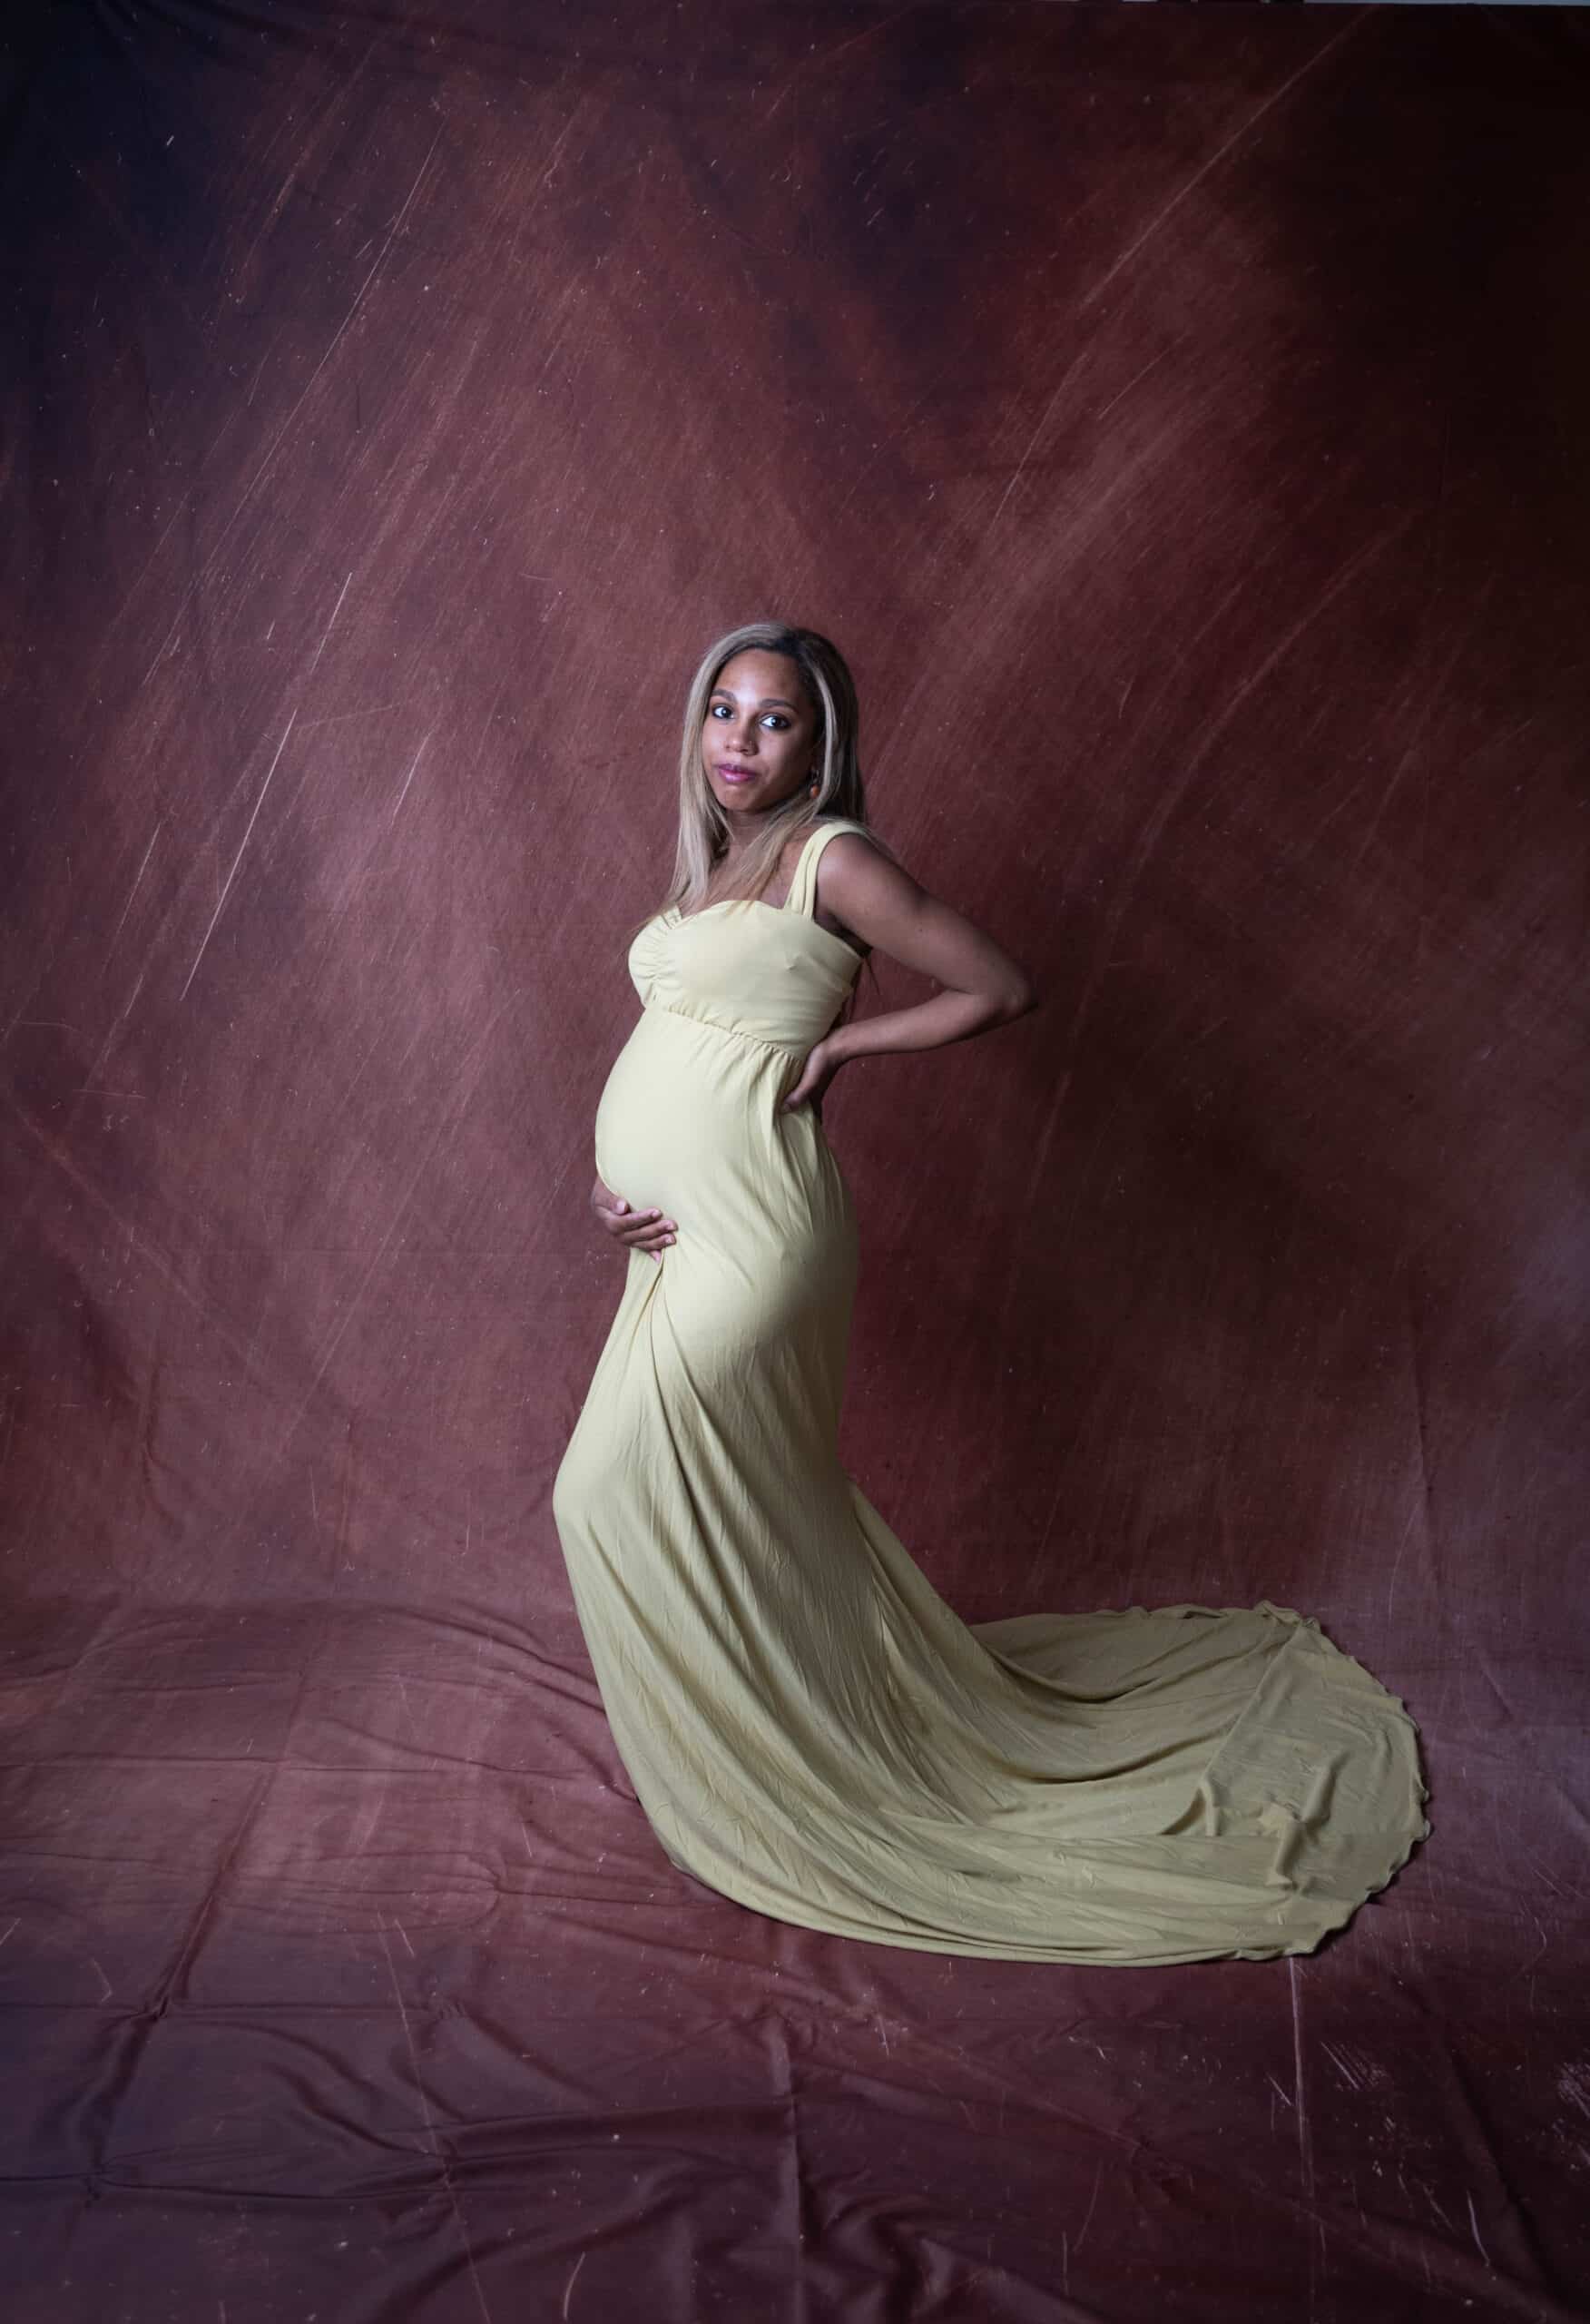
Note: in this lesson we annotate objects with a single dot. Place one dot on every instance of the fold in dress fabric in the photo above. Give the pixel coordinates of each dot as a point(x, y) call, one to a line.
point(810, 1727)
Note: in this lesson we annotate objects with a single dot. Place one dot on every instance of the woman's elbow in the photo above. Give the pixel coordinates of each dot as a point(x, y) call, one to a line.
point(1016, 998)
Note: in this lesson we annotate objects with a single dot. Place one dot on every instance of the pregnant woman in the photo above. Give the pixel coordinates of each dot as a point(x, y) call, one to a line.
point(809, 1727)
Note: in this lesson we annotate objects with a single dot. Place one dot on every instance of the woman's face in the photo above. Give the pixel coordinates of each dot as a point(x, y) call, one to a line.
point(760, 737)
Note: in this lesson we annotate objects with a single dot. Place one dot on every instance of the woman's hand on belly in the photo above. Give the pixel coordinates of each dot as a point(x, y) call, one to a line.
point(640, 1230)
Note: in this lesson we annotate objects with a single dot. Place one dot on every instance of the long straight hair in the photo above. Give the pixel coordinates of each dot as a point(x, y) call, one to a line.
point(825, 679)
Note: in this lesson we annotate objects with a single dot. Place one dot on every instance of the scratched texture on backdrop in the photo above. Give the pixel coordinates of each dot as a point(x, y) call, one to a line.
point(1177, 415)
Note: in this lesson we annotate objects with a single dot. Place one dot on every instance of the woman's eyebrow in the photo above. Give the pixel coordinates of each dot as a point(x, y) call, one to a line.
point(768, 701)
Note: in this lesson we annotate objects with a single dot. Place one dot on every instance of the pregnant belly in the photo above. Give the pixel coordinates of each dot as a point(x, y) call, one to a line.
point(690, 1115)
point(688, 1122)
point(764, 1265)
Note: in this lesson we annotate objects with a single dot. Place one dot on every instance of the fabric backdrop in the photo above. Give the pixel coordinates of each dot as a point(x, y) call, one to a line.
point(1178, 418)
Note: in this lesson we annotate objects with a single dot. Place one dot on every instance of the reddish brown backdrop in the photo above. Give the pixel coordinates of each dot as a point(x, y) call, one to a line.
point(1178, 417)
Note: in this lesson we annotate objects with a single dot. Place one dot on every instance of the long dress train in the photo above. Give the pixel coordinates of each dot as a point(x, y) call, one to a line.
point(809, 1727)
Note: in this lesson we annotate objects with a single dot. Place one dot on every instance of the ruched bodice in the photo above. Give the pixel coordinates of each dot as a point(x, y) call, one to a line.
point(767, 972)
point(809, 1727)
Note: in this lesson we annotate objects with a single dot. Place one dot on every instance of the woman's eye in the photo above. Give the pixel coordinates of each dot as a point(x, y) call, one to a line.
point(777, 719)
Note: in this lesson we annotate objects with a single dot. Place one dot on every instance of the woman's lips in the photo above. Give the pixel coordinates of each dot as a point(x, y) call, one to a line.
point(732, 772)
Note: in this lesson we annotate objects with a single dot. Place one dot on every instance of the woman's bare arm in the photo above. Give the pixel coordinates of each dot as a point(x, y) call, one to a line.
point(881, 903)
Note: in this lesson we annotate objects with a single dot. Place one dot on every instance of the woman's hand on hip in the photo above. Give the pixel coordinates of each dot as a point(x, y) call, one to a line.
point(820, 1068)
point(641, 1230)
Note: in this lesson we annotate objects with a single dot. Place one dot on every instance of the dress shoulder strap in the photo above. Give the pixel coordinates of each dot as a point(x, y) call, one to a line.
point(803, 893)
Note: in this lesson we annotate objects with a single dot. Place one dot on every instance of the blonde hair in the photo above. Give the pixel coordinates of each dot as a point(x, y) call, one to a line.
point(825, 679)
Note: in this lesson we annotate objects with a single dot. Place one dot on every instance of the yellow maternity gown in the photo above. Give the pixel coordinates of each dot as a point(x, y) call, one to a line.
point(809, 1727)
